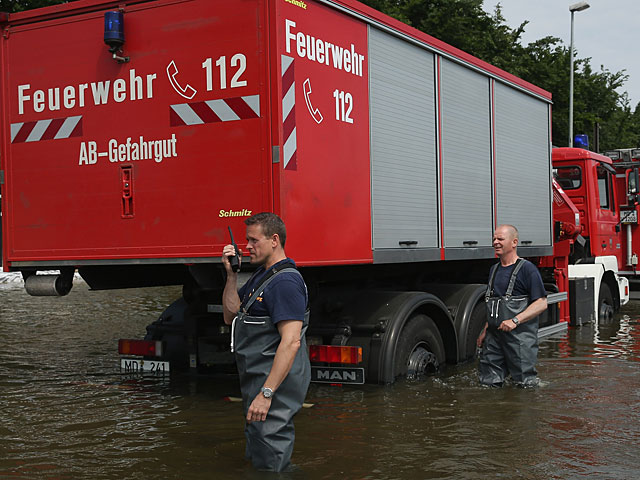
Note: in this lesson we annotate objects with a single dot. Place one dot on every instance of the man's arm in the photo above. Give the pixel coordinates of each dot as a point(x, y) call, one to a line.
point(290, 331)
point(483, 334)
point(532, 311)
point(230, 299)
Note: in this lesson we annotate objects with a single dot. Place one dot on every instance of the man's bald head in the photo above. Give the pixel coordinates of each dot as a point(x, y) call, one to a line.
point(510, 230)
point(505, 243)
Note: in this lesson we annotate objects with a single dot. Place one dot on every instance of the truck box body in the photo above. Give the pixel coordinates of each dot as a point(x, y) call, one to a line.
point(375, 142)
point(83, 126)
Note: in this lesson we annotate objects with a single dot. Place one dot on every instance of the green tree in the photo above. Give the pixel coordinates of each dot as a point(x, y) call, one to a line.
point(545, 63)
point(461, 23)
point(12, 6)
point(596, 102)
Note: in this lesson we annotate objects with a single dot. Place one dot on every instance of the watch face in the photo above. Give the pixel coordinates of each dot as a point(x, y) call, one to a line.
point(267, 392)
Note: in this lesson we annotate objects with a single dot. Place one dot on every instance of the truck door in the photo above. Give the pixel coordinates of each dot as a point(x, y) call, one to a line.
point(604, 237)
point(146, 158)
point(628, 185)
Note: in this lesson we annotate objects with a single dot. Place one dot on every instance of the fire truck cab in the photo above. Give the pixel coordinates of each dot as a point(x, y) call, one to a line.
point(590, 182)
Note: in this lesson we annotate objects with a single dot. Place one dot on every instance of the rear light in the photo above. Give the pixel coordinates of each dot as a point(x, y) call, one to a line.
point(143, 348)
point(626, 291)
point(335, 354)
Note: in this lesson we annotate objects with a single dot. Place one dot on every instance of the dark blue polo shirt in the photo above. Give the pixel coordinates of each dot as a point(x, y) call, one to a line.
point(528, 281)
point(285, 298)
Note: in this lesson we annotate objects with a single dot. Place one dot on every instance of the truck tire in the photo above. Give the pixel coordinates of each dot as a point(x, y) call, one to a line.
point(606, 306)
point(420, 349)
point(476, 324)
point(170, 328)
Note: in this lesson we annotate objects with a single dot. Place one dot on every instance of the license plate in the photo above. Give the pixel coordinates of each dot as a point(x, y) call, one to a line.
point(137, 365)
point(337, 375)
point(628, 216)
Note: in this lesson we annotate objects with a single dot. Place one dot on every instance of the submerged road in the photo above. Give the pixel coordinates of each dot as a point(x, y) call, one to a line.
point(68, 413)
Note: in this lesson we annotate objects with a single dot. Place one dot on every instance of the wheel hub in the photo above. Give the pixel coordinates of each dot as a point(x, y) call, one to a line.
point(421, 361)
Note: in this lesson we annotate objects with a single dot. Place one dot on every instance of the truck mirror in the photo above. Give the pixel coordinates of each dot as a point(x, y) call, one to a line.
point(633, 181)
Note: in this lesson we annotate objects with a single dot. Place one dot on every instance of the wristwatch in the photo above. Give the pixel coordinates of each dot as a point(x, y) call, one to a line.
point(266, 392)
point(516, 321)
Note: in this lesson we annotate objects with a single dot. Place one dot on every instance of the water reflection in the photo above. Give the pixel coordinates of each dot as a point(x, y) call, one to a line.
point(619, 338)
point(69, 413)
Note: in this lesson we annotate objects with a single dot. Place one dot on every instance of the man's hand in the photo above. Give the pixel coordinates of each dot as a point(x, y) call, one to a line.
point(532, 311)
point(258, 409)
point(482, 335)
point(507, 325)
point(227, 252)
point(230, 299)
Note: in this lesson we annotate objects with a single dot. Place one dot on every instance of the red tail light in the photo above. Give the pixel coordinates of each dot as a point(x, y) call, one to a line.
point(335, 354)
point(143, 348)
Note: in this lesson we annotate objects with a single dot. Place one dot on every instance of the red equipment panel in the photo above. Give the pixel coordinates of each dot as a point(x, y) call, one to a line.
point(325, 170)
point(146, 159)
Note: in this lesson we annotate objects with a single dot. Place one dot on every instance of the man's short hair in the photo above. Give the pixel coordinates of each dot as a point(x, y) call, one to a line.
point(270, 223)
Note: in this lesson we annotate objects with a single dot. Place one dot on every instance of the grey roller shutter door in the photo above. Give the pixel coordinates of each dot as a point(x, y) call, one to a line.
point(403, 143)
point(466, 156)
point(522, 165)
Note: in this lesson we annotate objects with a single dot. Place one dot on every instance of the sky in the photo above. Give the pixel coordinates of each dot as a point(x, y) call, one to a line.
point(604, 32)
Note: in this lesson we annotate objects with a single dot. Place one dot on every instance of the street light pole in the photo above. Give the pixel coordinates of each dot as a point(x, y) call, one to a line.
point(576, 7)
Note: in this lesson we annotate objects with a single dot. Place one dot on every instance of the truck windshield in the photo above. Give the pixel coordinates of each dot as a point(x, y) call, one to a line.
point(569, 178)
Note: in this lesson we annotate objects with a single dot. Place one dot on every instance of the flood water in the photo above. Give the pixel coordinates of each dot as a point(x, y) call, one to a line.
point(67, 412)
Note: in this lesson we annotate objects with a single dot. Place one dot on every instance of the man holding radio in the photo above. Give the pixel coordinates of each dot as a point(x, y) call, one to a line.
point(269, 317)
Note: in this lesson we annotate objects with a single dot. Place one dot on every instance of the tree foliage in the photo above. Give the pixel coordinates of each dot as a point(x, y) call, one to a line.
point(12, 6)
point(598, 107)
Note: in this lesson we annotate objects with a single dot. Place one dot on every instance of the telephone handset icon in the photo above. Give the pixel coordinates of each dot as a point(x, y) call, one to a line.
point(187, 92)
point(315, 113)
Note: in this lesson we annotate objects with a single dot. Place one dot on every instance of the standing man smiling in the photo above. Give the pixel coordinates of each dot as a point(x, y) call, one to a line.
point(269, 317)
point(515, 297)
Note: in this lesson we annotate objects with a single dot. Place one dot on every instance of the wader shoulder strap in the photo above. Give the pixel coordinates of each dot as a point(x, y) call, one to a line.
point(258, 291)
point(492, 275)
point(514, 274)
point(512, 279)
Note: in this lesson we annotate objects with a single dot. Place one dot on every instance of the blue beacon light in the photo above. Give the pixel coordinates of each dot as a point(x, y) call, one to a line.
point(114, 29)
point(114, 33)
point(581, 141)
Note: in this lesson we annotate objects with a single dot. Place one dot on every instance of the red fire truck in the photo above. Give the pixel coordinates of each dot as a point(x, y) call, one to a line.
point(590, 205)
point(626, 163)
point(390, 155)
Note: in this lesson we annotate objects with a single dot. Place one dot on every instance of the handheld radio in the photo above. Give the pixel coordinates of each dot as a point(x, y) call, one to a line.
point(235, 260)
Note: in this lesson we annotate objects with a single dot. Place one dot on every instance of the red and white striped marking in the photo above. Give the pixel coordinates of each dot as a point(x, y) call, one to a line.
point(49, 129)
point(289, 114)
point(212, 111)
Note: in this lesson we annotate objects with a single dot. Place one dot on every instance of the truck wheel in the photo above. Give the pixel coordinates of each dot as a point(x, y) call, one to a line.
point(476, 324)
point(420, 349)
point(170, 328)
point(605, 304)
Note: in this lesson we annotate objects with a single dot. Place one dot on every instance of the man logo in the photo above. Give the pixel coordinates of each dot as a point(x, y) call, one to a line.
point(338, 375)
